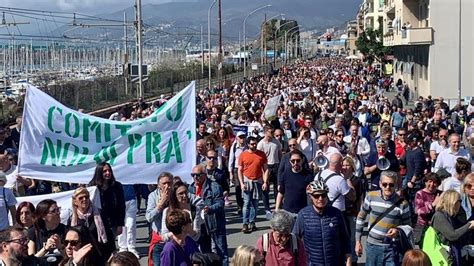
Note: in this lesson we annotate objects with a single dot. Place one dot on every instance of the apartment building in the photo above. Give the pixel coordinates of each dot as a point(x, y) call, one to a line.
point(432, 45)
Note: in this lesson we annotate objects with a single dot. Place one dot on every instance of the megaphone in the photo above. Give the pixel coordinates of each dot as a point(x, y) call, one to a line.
point(383, 163)
point(321, 161)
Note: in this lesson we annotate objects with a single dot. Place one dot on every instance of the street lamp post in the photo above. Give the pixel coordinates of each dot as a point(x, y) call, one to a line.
point(245, 39)
point(263, 52)
point(286, 42)
point(209, 39)
point(295, 51)
point(274, 40)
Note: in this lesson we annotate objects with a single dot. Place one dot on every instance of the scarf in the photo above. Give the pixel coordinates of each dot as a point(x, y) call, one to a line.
point(101, 234)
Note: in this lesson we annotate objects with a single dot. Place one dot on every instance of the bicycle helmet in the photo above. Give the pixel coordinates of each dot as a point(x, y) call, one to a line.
point(318, 186)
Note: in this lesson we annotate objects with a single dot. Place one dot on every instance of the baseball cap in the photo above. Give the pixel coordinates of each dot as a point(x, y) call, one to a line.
point(240, 133)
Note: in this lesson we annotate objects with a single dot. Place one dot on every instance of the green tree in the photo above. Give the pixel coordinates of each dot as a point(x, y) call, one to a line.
point(370, 44)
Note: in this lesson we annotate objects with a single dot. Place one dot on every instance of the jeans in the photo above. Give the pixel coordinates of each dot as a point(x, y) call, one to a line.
point(381, 255)
point(217, 241)
point(156, 253)
point(352, 226)
point(249, 211)
point(238, 190)
point(273, 173)
point(128, 237)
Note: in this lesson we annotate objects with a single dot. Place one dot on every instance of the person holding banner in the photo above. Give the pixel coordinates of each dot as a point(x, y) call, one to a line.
point(87, 219)
point(213, 229)
point(46, 234)
point(111, 198)
point(157, 202)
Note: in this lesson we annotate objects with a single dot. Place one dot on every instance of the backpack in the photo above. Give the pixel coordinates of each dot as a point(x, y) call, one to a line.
point(294, 246)
point(436, 251)
point(331, 202)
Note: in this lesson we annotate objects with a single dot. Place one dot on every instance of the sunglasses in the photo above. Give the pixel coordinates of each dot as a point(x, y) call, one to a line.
point(73, 243)
point(55, 210)
point(209, 144)
point(20, 241)
point(468, 186)
point(391, 185)
point(295, 161)
point(196, 174)
point(319, 196)
point(339, 135)
point(211, 158)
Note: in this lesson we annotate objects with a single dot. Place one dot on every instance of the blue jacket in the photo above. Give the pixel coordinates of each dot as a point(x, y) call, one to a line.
point(212, 197)
point(325, 237)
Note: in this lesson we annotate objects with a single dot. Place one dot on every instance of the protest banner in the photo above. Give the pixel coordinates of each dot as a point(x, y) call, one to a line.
point(270, 111)
point(63, 145)
point(63, 200)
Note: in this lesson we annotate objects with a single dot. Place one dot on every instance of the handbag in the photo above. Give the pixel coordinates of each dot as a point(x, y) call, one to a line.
point(438, 253)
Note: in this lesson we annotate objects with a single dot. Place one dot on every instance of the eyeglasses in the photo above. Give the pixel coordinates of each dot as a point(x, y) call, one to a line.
point(83, 197)
point(319, 196)
point(196, 174)
point(73, 243)
point(295, 161)
point(20, 241)
point(391, 185)
point(212, 158)
point(55, 211)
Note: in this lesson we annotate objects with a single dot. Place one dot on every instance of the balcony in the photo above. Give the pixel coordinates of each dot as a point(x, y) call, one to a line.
point(389, 6)
point(410, 36)
point(417, 36)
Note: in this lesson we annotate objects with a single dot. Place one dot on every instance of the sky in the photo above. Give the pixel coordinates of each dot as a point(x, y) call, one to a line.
point(89, 7)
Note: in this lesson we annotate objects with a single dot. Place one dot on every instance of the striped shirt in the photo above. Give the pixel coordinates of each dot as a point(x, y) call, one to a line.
point(374, 205)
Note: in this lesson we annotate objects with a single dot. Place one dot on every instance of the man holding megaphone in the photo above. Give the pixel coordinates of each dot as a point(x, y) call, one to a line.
point(378, 161)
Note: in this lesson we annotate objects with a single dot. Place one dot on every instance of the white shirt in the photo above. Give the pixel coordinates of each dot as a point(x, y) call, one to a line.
point(452, 183)
point(435, 146)
point(337, 186)
point(363, 147)
point(447, 160)
point(308, 147)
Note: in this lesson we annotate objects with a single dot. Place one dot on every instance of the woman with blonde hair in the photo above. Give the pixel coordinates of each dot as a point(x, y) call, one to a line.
point(247, 255)
point(450, 230)
point(467, 197)
point(87, 219)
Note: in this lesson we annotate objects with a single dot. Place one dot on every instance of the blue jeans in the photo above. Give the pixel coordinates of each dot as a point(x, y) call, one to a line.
point(156, 253)
point(249, 211)
point(381, 255)
point(219, 240)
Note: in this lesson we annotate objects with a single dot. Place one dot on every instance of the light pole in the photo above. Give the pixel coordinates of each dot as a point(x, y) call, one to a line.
point(286, 42)
point(263, 52)
point(209, 38)
point(274, 40)
point(245, 39)
point(295, 42)
point(459, 55)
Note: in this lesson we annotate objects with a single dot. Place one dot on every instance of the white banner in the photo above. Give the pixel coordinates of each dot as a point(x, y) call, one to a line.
point(63, 200)
point(271, 108)
point(61, 144)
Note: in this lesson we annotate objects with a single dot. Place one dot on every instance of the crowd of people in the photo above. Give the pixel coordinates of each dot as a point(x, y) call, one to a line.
point(336, 158)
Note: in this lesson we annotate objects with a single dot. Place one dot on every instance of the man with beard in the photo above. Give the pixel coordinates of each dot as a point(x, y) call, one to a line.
point(13, 248)
point(253, 178)
point(292, 185)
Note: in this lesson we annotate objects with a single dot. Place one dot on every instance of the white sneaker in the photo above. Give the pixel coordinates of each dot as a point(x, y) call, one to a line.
point(135, 252)
point(268, 215)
